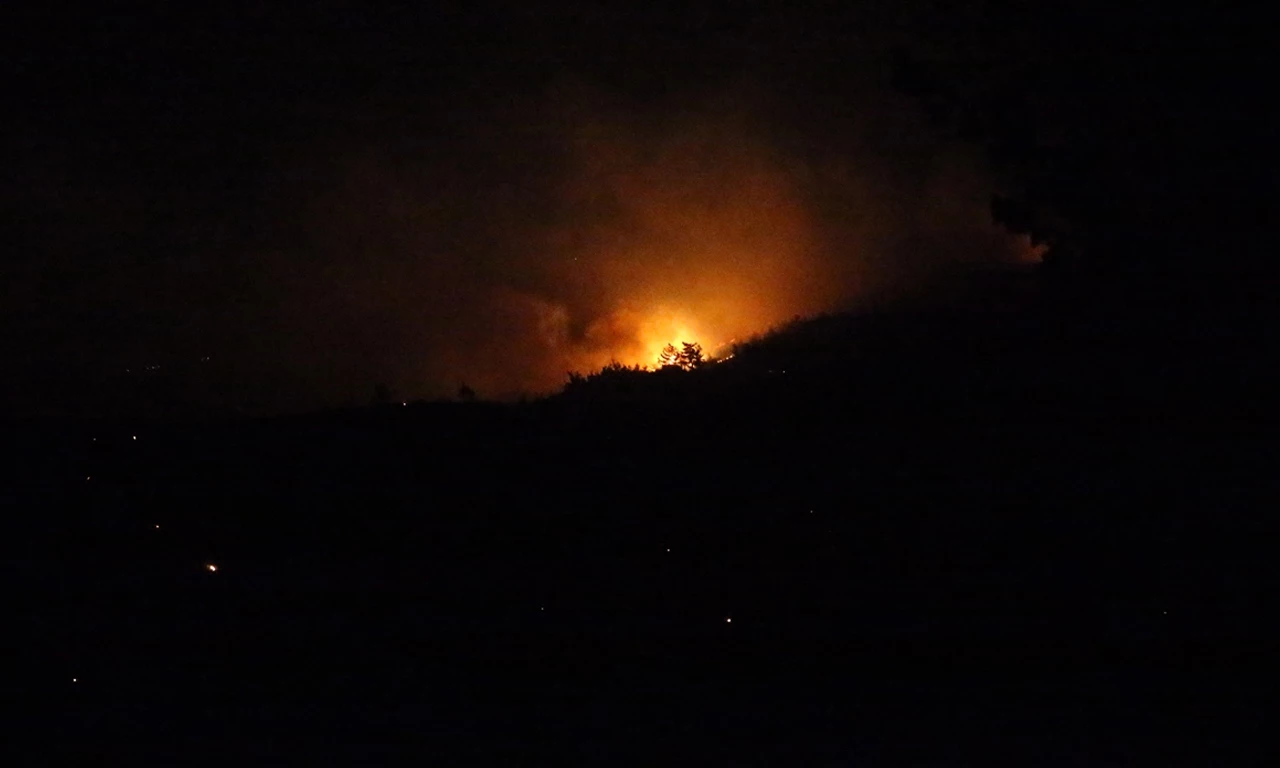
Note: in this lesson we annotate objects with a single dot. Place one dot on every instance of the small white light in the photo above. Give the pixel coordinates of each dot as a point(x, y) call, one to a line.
point(542, 608)
point(728, 621)
point(212, 568)
point(157, 527)
point(135, 437)
point(75, 679)
point(668, 549)
point(88, 478)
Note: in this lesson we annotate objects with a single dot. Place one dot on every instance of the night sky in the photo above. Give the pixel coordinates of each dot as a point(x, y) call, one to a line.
point(263, 208)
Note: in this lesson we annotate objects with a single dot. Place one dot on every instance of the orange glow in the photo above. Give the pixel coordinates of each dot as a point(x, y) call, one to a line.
point(1025, 252)
point(643, 229)
point(695, 232)
point(660, 329)
point(634, 337)
point(710, 238)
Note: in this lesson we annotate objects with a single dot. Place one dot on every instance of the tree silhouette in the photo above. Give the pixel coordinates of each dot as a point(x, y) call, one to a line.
point(466, 394)
point(687, 358)
point(1110, 165)
point(691, 356)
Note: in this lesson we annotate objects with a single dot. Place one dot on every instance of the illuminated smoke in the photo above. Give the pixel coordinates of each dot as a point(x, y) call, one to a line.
point(576, 229)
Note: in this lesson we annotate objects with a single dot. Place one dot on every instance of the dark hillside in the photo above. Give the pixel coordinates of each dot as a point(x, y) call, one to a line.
point(918, 523)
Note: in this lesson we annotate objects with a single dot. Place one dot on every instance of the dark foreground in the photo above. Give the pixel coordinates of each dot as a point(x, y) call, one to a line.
point(500, 586)
point(1047, 556)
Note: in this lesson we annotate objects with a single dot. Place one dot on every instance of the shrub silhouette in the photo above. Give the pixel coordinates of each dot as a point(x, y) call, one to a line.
point(613, 380)
point(617, 380)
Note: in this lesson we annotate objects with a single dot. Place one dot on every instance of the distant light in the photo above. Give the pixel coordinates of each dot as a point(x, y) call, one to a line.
point(542, 608)
point(135, 437)
point(404, 403)
point(668, 549)
point(210, 566)
point(1164, 613)
point(728, 621)
point(75, 679)
point(157, 527)
point(88, 478)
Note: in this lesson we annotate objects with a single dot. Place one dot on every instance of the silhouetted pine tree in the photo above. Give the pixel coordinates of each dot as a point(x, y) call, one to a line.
point(691, 356)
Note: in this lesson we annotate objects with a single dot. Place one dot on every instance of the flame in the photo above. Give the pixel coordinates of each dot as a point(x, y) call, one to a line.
point(664, 326)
